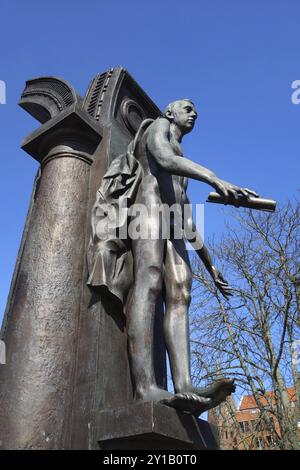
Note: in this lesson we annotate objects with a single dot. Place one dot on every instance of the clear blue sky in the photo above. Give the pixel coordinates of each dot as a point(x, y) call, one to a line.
point(236, 59)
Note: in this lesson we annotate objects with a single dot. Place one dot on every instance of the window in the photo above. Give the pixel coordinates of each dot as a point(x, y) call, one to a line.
point(244, 425)
point(269, 440)
point(259, 443)
point(254, 423)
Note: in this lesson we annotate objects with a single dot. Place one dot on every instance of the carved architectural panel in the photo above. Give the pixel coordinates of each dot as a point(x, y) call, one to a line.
point(46, 97)
point(132, 114)
point(95, 94)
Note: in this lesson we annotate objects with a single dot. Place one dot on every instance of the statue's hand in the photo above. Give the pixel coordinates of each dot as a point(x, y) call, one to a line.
point(221, 283)
point(227, 189)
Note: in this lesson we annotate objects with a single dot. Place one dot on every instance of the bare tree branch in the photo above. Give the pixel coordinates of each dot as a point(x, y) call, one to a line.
point(251, 336)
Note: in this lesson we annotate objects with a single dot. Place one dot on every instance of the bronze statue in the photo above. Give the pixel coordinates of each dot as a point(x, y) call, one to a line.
point(154, 172)
point(66, 342)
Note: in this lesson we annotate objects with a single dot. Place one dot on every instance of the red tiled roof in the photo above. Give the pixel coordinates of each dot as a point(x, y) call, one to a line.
point(248, 401)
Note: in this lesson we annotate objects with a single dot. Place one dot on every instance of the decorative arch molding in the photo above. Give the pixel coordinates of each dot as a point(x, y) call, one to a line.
point(46, 97)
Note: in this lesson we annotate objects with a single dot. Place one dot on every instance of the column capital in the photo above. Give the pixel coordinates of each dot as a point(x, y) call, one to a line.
point(71, 130)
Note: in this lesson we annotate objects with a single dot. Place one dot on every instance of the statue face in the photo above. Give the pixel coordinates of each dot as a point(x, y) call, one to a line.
point(185, 115)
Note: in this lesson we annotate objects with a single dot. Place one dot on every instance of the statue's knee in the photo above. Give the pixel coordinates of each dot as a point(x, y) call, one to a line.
point(179, 294)
point(132, 336)
point(153, 279)
point(185, 296)
point(148, 280)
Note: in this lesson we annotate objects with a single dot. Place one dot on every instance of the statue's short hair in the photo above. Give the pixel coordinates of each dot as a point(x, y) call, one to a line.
point(171, 106)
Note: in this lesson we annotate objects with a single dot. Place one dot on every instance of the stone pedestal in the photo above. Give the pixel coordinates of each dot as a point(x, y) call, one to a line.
point(153, 426)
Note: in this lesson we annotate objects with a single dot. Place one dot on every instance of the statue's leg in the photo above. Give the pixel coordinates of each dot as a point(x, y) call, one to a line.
point(140, 310)
point(177, 287)
point(177, 296)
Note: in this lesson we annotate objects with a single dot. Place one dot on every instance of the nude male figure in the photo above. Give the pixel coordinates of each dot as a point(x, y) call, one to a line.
point(162, 265)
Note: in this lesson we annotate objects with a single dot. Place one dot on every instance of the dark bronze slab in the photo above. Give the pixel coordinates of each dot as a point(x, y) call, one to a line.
point(153, 426)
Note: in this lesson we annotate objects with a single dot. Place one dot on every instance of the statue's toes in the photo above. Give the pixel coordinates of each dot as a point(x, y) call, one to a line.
point(227, 386)
point(231, 388)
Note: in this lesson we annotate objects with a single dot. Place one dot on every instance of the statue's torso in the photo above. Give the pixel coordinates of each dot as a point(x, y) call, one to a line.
point(172, 187)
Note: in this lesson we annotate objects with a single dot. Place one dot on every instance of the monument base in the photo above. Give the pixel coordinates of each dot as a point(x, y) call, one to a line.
point(153, 426)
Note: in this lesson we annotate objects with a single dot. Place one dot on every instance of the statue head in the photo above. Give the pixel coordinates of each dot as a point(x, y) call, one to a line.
point(182, 113)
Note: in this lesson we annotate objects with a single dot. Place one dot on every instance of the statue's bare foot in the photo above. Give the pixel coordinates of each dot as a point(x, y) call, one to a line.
point(189, 402)
point(153, 393)
point(218, 391)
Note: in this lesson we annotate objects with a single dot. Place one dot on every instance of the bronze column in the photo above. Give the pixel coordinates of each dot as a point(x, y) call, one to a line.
point(41, 321)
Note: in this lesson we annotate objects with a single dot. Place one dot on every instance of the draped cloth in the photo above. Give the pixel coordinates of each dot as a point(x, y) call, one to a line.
point(109, 256)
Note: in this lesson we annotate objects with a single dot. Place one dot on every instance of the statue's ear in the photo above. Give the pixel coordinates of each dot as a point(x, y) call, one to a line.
point(169, 115)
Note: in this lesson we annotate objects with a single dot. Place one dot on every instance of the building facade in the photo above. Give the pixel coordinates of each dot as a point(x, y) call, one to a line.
point(246, 426)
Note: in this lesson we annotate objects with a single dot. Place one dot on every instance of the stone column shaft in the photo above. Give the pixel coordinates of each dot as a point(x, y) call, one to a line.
point(42, 322)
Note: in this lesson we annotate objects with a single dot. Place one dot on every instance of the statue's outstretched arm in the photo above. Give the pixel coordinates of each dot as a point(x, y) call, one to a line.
point(158, 143)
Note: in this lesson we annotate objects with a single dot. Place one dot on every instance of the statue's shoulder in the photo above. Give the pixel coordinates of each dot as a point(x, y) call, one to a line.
point(159, 125)
point(149, 131)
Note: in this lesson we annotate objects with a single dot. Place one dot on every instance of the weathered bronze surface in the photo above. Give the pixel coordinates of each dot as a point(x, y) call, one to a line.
point(257, 203)
point(66, 344)
point(154, 426)
point(138, 270)
point(90, 314)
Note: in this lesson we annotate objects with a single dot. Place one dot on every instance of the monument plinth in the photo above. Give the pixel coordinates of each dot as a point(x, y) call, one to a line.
point(153, 426)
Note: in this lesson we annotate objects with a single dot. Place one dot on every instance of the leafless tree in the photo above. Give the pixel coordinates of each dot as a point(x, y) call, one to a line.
point(251, 336)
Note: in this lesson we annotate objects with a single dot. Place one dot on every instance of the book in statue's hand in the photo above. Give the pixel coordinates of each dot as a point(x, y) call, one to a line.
point(250, 202)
